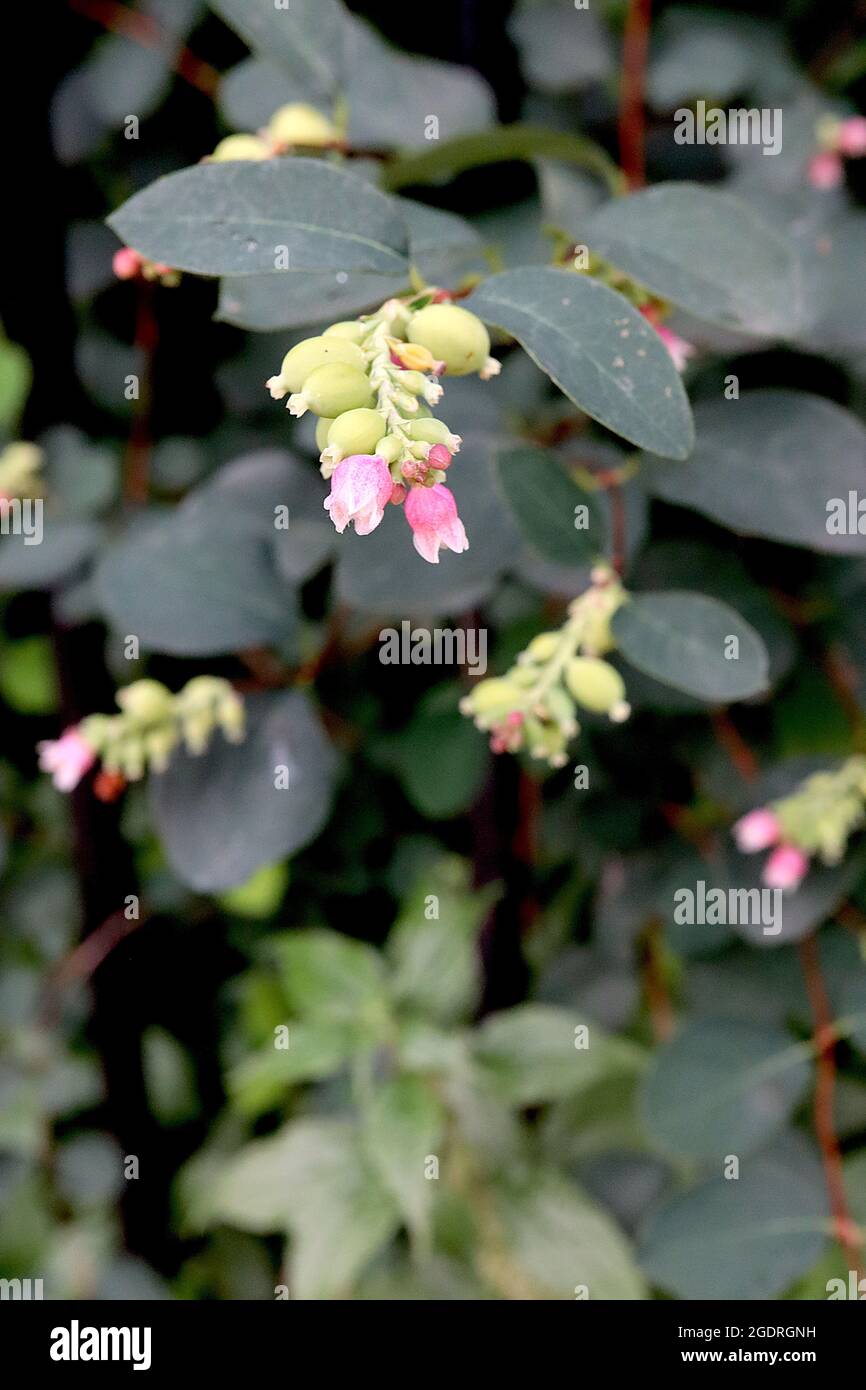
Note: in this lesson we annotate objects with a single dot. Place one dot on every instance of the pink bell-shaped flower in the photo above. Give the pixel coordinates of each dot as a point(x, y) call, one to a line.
point(432, 514)
point(361, 488)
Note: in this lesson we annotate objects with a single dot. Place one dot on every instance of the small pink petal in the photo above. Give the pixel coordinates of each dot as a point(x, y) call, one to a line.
point(432, 514)
point(439, 457)
point(679, 349)
point(67, 758)
point(786, 868)
point(851, 140)
point(757, 830)
point(126, 263)
point(361, 488)
point(825, 170)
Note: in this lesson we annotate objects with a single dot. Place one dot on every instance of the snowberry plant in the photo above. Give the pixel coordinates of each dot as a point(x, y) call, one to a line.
point(533, 974)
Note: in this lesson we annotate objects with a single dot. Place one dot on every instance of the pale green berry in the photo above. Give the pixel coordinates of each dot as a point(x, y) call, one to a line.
point(391, 448)
point(596, 634)
point(159, 744)
point(431, 431)
point(560, 707)
point(97, 730)
point(232, 716)
point(524, 676)
point(414, 382)
point(305, 357)
point(202, 690)
point(299, 124)
point(491, 699)
point(240, 147)
point(336, 388)
point(453, 335)
point(357, 431)
point(595, 684)
point(348, 328)
point(543, 647)
point(322, 433)
point(146, 701)
point(129, 759)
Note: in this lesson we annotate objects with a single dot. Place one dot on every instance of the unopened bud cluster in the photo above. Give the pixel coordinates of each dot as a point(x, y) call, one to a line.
point(535, 705)
point(838, 140)
point(151, 724)
point(296, 126)
point(20, 466)
point(129, 264)
point(815, 821)
point(373, 382)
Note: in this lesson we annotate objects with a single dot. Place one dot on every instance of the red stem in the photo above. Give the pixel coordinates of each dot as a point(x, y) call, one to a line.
point(632, 125)
point(731, 740)
point(136, 469)
point(145, 30)
point(86, 958)
point(848, 1234)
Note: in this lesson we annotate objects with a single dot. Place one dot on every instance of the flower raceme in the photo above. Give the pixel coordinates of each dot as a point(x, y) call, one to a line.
point(535, 704)
point(839, 140)
point(816, 820)
point(151, 724)
point(372, 382)
point(296, 126)
point(128, 264)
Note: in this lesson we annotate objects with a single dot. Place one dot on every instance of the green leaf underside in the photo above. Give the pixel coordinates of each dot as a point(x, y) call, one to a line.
point(723, 1086)
point(303, 38)
point(496, 146)
point(768, 464)
point(744, 1239)
point(542, 499)
point(705, 251)
point(597, 349)
point(233, 219)
point(680, 638)
point(221, 816)
point(441, 246)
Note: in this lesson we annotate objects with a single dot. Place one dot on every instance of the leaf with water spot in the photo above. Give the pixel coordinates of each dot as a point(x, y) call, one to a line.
point(250, 217)
point(597, 349)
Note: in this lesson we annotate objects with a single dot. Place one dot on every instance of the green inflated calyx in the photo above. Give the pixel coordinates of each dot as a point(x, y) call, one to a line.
point(595, 684)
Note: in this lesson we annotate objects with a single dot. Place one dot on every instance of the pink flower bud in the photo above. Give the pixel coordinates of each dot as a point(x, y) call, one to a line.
point(126, 263)
point(439, 456)
point(432, 514)
point(679, 349)
point(825, 170)
point(786, 868)
point(851, 140)
point(398, 494)
point(757, 830)
point(361, 488)
point(67, 758)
